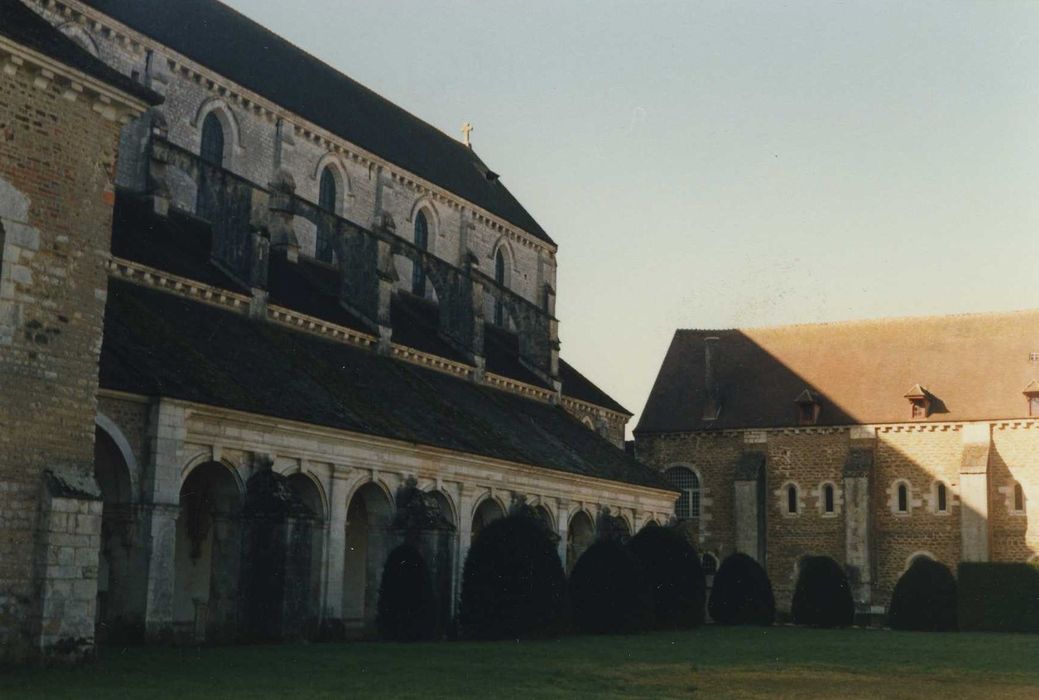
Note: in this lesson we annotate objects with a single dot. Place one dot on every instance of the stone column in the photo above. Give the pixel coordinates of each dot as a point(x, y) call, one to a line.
point(160, 486)
point(466, 500)
point(749, 506)
point(858, 539)
point(974, 492)
point(335, 549)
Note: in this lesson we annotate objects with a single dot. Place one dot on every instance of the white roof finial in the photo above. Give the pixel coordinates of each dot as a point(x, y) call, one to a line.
point(467, 129)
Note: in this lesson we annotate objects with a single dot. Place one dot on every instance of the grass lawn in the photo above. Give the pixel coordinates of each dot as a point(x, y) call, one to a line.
point(713, 662)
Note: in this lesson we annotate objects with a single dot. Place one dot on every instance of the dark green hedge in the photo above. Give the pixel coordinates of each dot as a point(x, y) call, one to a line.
point(675, 577)
point(999, 597)
point(924, 599)
point(742, 593)
point(822, 597)
point(407, 609)
point(608, 591)
point(513, 583)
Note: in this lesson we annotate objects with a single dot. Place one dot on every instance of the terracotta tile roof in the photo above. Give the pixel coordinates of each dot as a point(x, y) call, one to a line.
point(971, 367)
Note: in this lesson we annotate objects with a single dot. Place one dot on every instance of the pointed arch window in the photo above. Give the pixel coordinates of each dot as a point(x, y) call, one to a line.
point(212, 151)
point(328, 194)
point(418, 274)
point(499, 277)
point(687, 507)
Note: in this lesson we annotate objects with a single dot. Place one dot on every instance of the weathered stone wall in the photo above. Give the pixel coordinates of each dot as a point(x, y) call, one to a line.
point(1014, 459)
point(57, 158)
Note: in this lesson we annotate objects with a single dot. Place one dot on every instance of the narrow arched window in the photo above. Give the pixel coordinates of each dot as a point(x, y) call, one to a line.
point(687, 507)
point(418, 274)
point(1019, 498)
point(328, 194)
point(903, 498)
point(791, 499)
point(942, 506)
point(212, 151)
point(828, 498)
point(499, 277)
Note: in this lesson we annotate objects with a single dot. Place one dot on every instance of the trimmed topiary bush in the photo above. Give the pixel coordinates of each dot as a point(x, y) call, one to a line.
point(608, 592)
point(742, 593)
point(676, 580)
point(924, 599)
point(513, 584)
point(407, 607)
point(822, 597)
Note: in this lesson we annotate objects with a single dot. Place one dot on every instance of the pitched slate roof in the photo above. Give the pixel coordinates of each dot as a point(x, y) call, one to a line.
point(229, 43)
point(158, 344)
point(578, 386)
point(974, 367)
point(25, 27)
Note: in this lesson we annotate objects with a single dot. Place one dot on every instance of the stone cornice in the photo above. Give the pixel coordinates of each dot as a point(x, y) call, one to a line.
point(914, 427)
point(108, 101)
point(414, 451)
point(579, 405)
point(253, 102)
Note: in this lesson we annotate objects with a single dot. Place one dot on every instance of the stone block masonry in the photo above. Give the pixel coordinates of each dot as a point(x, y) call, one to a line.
point(57, 160)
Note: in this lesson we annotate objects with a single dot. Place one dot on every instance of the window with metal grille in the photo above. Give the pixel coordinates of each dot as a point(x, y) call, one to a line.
point(687, 507)
point(418, 275)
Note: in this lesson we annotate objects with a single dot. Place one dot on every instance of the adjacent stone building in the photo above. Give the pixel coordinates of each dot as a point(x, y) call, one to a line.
point(871, 442)
point(294, 326)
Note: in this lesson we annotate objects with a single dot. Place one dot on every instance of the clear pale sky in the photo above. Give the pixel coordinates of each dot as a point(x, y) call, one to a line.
point(726, 164)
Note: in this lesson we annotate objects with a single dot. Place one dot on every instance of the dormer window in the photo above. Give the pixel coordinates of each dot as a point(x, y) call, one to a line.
point(1031, 393)
point(807, 407)
point(920, 402)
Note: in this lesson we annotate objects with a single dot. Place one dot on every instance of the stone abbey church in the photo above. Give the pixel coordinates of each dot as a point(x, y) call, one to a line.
point(251, 313)
point(258, 324)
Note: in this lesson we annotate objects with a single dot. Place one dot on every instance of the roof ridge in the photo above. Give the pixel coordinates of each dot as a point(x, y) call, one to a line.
point(873, 321)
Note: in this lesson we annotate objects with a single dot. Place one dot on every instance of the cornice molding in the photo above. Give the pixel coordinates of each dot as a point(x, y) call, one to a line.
point(108, 101)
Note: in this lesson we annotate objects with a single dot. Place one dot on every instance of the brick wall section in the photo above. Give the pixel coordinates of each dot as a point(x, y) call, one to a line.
point(807, 459)
point(56, 157)
point(920, 456)
point(1014, 458)
point(132, 418)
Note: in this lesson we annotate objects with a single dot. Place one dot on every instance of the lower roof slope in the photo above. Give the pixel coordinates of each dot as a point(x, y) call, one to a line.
point(157, 344)
point(974, 367)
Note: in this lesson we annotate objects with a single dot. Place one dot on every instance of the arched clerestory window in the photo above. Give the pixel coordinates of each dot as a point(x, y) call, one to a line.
point(418, 274)
point(792, 499)
point(499, 277)
point(212, 150)
point(687, 507)
point(328, 194)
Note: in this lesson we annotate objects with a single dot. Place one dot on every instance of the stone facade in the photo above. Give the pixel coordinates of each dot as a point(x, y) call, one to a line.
point(58, 135)
point(867, 532)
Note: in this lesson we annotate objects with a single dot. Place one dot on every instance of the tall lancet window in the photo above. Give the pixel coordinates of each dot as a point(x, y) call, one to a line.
point(212, 141)
point(328, 196)
point(499, 277)
point(418, 275)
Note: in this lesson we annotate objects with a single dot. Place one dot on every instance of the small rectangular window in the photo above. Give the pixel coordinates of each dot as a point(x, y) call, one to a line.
point(828, 498)
point(903, 499)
